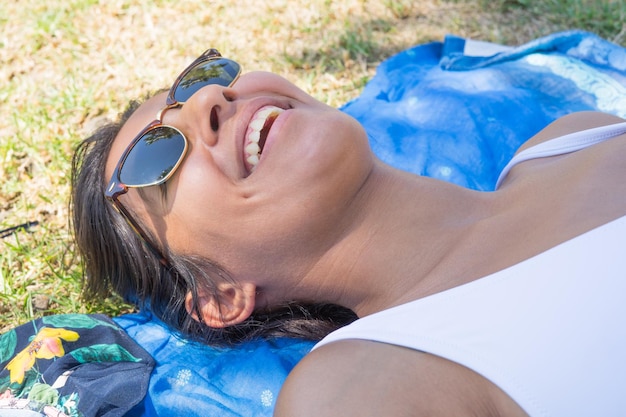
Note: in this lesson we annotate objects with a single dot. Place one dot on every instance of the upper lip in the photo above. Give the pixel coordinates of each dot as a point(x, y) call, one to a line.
point(246, 117)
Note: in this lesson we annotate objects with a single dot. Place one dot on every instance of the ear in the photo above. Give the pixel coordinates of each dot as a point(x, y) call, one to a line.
point(233, 304)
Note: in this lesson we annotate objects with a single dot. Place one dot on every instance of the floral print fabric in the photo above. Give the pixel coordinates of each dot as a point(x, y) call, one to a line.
point(72, 365)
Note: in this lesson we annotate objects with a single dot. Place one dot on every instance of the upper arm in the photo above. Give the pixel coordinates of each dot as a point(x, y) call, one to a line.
point(318, 385)
point(345, 378)
point(367, 379)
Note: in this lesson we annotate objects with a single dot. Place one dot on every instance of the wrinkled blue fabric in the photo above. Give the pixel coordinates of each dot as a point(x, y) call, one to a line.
point(191, 379)
point(432, 110)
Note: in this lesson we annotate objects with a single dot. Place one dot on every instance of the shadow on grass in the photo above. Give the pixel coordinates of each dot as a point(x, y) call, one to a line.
point(606, 18)
point(365, 41)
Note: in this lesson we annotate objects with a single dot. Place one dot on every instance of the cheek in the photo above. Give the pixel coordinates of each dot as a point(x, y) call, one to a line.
point(209, 216)
point(332, 151)
point(305, 201)
point(196, 207)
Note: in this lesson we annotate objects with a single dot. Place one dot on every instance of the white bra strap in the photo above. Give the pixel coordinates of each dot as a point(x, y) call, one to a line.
point(565, 144)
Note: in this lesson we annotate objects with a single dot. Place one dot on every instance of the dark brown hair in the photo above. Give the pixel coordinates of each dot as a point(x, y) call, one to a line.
point(115, 260)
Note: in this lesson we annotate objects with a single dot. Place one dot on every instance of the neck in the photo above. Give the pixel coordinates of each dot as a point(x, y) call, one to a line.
point(402, 235)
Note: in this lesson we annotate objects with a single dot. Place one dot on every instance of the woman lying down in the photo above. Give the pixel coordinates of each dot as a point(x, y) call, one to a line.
point(229, 197)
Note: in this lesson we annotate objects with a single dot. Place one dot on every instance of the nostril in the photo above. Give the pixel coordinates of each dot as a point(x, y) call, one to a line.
point(229, 94)
point(215, 123)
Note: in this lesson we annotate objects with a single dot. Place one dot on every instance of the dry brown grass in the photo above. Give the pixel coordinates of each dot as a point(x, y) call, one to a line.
point(67, 64)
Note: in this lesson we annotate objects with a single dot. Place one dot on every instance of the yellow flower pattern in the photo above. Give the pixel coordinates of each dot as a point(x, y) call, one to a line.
point(38, 363)
point(46, 345)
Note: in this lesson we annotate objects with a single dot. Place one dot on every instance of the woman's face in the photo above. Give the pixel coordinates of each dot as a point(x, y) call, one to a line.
point(252, 220)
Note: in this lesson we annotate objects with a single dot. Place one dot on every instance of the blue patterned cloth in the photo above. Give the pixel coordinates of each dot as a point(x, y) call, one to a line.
point(436, 110)
point(191, 379)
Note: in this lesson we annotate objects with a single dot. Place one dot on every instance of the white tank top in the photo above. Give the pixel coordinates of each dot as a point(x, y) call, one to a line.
point(549, 331)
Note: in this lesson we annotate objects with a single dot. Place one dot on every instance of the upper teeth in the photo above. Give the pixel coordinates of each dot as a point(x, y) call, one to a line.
point(252, 148)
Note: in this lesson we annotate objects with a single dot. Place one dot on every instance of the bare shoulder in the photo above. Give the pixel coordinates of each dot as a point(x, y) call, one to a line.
point(341, 378)
point(598, 166)
point(365, 378)
point(571, 123)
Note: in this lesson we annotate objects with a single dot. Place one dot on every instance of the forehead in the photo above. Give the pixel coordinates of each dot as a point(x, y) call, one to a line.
point(145, 114)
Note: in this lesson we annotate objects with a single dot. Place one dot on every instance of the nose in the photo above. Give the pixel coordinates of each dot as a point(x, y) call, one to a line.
point(203, 116)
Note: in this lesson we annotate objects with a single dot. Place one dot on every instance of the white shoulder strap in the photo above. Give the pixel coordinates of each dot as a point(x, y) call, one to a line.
point(565, 144)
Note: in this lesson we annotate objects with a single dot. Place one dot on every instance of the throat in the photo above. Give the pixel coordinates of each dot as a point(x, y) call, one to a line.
point(422, 238)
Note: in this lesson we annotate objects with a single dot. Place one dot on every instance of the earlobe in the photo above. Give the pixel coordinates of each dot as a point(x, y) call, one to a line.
point(232, 304)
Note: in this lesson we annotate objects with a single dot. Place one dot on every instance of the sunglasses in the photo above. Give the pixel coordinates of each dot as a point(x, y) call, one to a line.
point(156, 152)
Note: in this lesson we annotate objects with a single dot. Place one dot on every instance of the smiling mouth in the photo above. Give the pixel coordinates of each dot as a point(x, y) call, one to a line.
point(256, 136)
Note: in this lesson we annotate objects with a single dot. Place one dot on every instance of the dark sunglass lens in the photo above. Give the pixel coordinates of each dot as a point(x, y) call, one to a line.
point(153, 157)
point(219, 71)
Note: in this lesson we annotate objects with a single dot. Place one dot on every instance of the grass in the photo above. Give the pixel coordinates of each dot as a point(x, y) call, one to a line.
point(66, 65)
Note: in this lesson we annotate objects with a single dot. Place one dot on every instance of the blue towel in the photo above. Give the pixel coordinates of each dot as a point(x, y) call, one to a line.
point(191, 379)
point(437, 111)
point(455, 110)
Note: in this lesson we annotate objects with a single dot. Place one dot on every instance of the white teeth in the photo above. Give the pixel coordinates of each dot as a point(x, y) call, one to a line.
point(254, 136)
point(253, 160)
point(257, 124)
point(252, 150)
point(265, 111)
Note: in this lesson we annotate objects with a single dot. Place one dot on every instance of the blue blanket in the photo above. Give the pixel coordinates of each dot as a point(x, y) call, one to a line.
point(455, 110)
point(191, 379)
point(435, 110)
